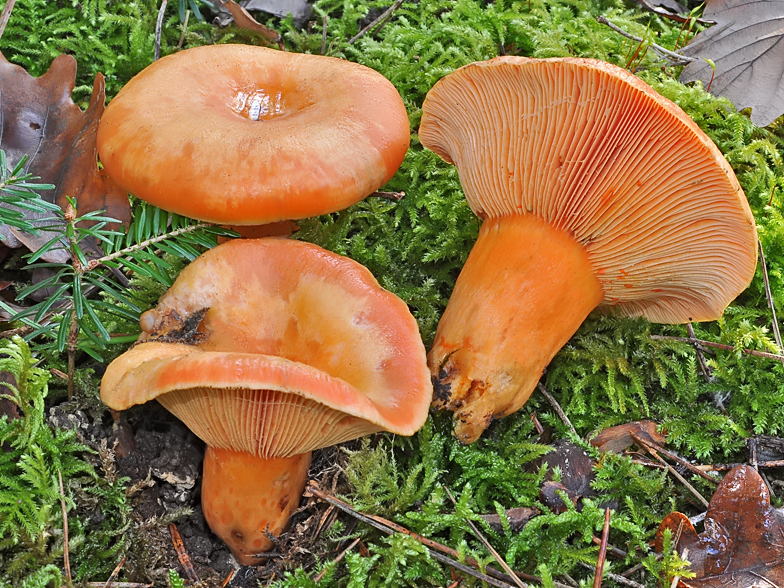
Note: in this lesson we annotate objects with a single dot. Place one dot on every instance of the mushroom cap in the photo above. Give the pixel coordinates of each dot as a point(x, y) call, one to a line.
point(289, 348)
point(597, 153)
point(181, 134)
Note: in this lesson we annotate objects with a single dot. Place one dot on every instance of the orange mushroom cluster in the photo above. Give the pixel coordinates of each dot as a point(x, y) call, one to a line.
point(268, 349)
point(595, 192)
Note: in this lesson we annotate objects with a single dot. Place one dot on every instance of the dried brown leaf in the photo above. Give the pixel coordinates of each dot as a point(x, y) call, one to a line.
point(619, 438)
point(244, 20)
point(743, 542)
point(39, 119)
point(747, 46)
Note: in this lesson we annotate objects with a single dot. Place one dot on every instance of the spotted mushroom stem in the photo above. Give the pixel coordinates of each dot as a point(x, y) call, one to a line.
point(245, 498)
point(523, 292)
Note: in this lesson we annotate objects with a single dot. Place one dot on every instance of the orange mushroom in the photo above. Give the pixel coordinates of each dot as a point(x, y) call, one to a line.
point(595, 192)
point(268, 349)
point(237, 134)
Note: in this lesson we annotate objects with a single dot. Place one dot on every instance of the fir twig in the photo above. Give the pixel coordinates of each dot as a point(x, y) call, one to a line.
point(340, 556)
point(676, 58)
point(91, 265)
point(704, 343)
point(487, 545)
point(557, 407)
point(6, 15)
point(380, 20)
point(597, 578)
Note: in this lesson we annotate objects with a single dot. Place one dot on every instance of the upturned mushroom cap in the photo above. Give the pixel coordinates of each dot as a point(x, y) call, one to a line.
point(597, 153)
point(277, 347)
point(246, 135)
point(595, 192)
point(268, 349)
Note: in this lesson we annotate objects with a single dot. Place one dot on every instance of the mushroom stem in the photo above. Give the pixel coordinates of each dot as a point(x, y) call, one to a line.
point(245, 498)
point(523, 292)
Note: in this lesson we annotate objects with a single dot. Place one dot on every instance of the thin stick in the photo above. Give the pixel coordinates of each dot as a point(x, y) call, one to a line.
point(769, 296)
point(323, 34)
point(436, 549)
point(158, 27)
point(96, 262)
point(182, 555)
point(597, 578)
point(677, 58)
point(706, 373)
point(557, 408)
point(724, 467)
point(114, 573)
point(66, 560)
point(764, 354)
point(673, 456)
point(614, 551)
point(677, 579)
point(184, 28)
point(614, 577)
point(337, 559)
point(388, 195)
point(681, 479)
point(384, 15)
point(487, 545)
point(5, 16)
point(229, 577)
point(117, 585)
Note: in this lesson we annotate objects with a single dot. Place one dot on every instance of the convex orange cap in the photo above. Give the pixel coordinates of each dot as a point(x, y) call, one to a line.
point(595, 192)
point(246, 135)
point(268, 349)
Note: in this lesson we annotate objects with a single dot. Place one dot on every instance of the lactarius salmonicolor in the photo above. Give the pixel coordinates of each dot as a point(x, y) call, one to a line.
point(268, 349)
point(595, 191)
point(245, 135)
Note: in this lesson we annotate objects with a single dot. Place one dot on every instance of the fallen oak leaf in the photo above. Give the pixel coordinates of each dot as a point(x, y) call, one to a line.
point(743, 542)
point(38, 118)
point(747, 47)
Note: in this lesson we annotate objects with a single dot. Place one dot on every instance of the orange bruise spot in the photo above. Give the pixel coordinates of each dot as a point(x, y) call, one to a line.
point(265, 491)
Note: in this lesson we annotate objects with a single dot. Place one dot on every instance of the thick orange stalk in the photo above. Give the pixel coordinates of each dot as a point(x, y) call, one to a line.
point(523, 292)
point(244, 497)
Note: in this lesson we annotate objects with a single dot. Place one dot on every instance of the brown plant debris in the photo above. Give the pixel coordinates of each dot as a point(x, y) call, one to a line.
point(743, 542)
point(39, 119)
point(619, 438)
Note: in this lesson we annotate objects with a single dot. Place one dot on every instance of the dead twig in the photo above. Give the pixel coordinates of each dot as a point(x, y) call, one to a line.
point(381, 20)
point(323, 34)
point(725, 467)
point(615, 577)
point(704, 343)
point(340, 556)
point(5, 16)
point(680, 478)
point(114, 573)
point(706, 373)
point(614, 551)
point(396, 196)
point(769, 296)
point(184, 28)
point(182, 555)
point(158, 27)
point(675, 58)
point(487, 545)
point(229, 577)
point(438, 551)
point(648, 445)
point(597, 578)
point(557, 407)
point(66, 561)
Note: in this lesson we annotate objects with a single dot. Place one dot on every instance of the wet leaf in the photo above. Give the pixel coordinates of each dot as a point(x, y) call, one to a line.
point(618, 439)
point(743, 542)
point(38, 118)
point(747, 46)
point(244, 20)
point(517, 517)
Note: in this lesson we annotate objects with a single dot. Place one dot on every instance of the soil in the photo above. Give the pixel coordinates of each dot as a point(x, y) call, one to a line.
point(162, 459)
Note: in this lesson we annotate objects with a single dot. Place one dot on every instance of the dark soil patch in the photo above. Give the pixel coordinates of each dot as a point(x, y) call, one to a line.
point(163, 460)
